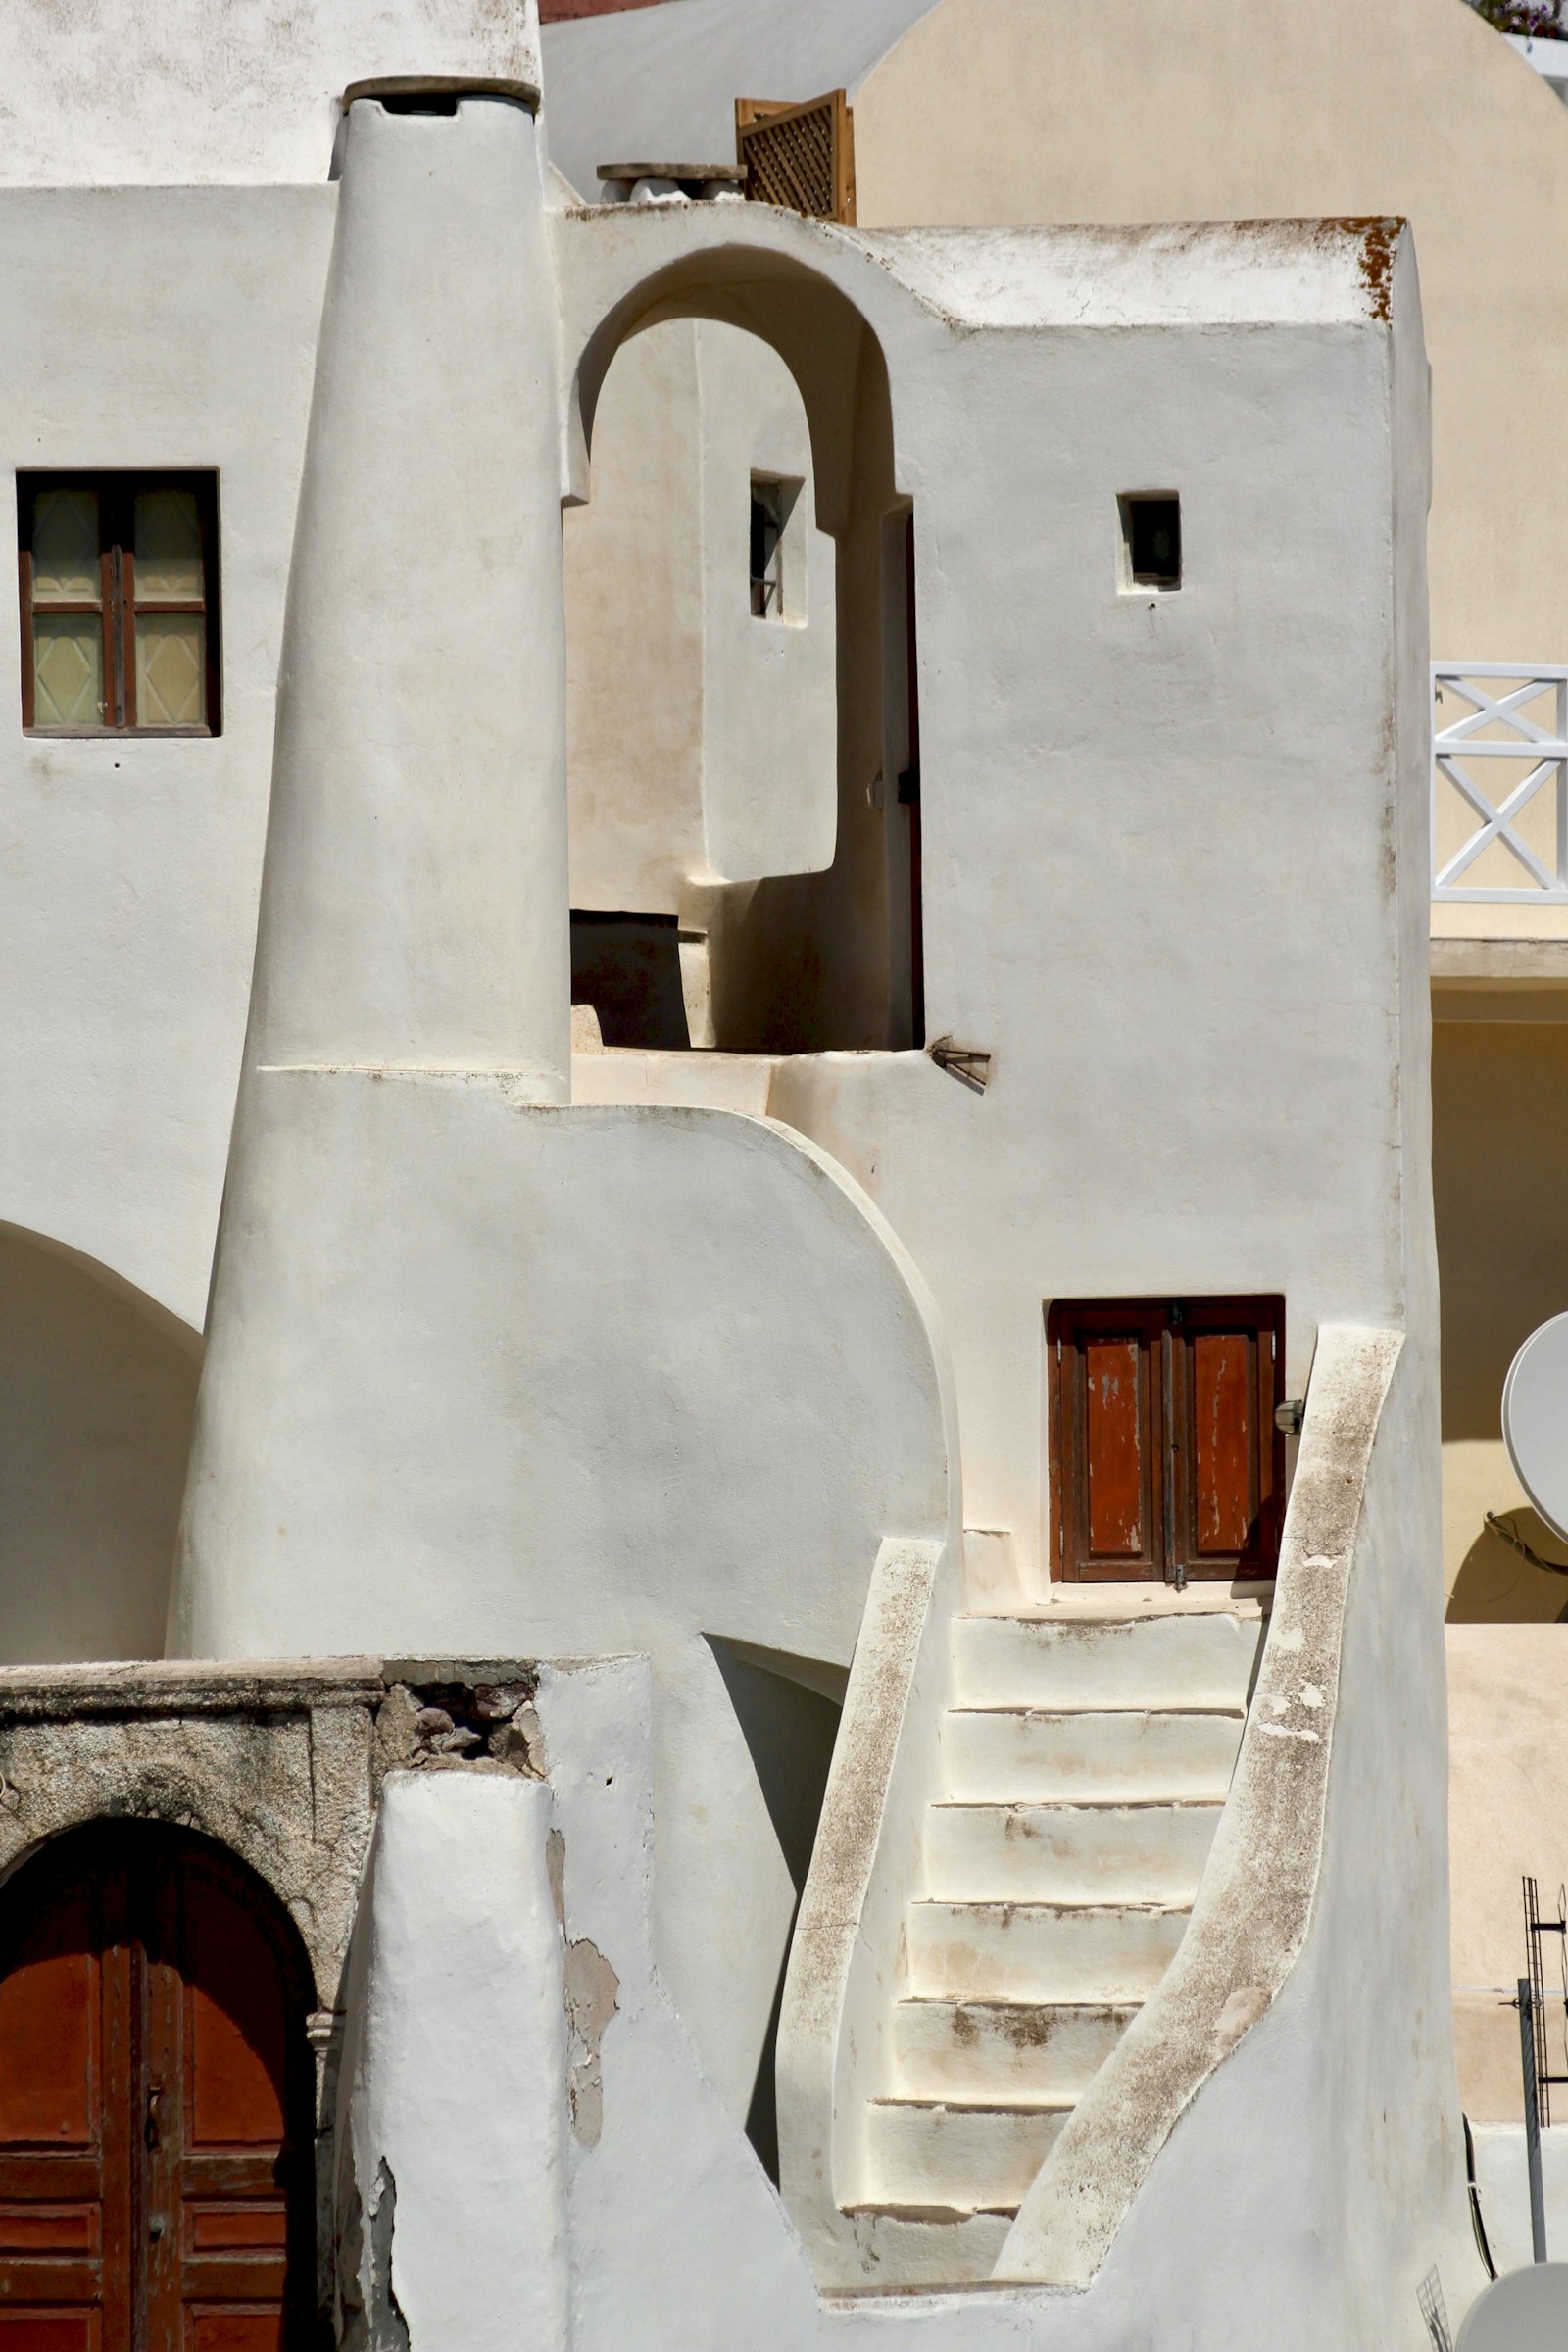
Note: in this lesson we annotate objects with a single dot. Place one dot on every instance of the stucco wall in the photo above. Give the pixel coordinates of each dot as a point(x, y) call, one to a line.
point(1501, 1116)
point(642, 1378)
point(668, 2233)
point(146, 327)
point(1132, 866)
point(451, 2122)
point(1212, 110)
point(634, 574)
point(97, 1394)
point(703, 741)
point(1508, 1798)
point(122, 92)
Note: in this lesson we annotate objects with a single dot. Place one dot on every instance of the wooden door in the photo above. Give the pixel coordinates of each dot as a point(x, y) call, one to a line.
point(156, 2102)
point(1164, 1459)
point(1225, 1376)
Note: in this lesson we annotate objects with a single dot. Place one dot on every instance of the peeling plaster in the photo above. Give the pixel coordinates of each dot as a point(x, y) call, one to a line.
point(593, 1995)
point(593, 1991)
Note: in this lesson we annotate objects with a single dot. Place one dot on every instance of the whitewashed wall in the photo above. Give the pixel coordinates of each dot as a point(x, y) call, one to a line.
point(138, 93)
point(148, 328)
point(704, 740)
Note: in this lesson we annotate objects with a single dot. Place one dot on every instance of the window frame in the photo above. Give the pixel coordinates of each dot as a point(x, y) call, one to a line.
point(115, 490)
point(1163, 1332)
point(1134, 507)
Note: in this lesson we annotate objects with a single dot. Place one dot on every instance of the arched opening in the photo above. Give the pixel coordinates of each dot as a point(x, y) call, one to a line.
point(744, 825)
point(157, 2101)
point(97, 1398)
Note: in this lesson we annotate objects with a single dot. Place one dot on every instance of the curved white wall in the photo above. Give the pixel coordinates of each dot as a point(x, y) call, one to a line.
point(498, 1380)
point(704, 740)
point(97, 1395)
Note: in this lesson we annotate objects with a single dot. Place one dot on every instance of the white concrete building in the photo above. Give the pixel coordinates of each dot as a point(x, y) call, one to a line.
point(965, 1321)
point(1205, 109)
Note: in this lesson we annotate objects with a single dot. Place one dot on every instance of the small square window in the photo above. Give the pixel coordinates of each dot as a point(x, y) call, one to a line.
point(119, 590)
point(1152, 539)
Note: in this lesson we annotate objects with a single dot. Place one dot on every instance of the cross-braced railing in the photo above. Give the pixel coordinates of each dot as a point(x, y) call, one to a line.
point(1507, 712)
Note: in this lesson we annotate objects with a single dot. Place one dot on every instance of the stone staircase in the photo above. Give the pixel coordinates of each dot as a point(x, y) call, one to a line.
point(1083, 1765)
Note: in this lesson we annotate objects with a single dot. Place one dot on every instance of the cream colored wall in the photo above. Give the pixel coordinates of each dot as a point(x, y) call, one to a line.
point(1507, 1815)
point(97, 1391)
point(702, 743)
point(634, 635)
point(996, 111)
point(1499, 1120)
point(770, 749)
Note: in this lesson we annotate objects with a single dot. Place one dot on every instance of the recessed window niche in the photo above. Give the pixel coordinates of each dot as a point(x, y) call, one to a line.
point(1150, 540)
point(777, 580)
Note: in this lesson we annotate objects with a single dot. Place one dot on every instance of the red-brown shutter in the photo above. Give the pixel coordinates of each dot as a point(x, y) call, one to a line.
point(1164, 1460)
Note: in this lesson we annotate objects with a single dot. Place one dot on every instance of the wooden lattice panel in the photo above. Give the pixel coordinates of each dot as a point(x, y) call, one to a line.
point(799, 157)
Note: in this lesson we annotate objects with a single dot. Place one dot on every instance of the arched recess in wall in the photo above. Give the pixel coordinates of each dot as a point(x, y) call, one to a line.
point(97, 1395)
point(735, 761)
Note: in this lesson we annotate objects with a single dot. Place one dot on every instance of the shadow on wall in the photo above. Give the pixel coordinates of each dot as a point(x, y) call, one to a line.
point(737, 643)
point(97, 1394)
point(1497, 1586)
point(788, 1709)
point(1500, 1150)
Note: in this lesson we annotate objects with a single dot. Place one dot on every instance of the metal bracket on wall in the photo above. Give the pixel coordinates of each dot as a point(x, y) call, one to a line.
point(966, 1062)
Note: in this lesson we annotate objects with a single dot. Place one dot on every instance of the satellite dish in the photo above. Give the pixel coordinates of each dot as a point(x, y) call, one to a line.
point(1535, 1421)
point(1526, 2311)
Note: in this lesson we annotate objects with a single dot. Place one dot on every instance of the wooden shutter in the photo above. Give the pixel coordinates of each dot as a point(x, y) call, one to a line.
point(1107, 1427)
point(1164, 1460)
point(1226, 1359)
point(799, 157)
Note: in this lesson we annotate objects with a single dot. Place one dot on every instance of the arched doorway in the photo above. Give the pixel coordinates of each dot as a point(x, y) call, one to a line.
point(155, 2102)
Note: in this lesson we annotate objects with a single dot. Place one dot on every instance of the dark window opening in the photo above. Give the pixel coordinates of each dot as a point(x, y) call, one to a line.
point(768, 544)
point(788, 1710)
point(1152, 539)
point(1166, 1462)
point(628, 968)
point(117, 574)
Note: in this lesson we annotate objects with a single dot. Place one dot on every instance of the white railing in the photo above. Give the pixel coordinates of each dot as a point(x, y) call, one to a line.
point(1514, 817)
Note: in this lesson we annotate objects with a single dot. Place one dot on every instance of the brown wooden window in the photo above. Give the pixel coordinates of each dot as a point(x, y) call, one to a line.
point(119, 592)
point(1166, 1460)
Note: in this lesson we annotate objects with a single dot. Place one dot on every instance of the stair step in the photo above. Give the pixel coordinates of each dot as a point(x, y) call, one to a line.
point(1037, 1952)
point(934, 2249)
point(1191, 1660)
point(1110, 1853)
point(1026, 1755)
point(941, 2156)
point(1003, 2050)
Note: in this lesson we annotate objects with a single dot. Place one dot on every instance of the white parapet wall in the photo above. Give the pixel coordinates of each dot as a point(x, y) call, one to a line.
point(848, 1959)
point(451, 2124)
